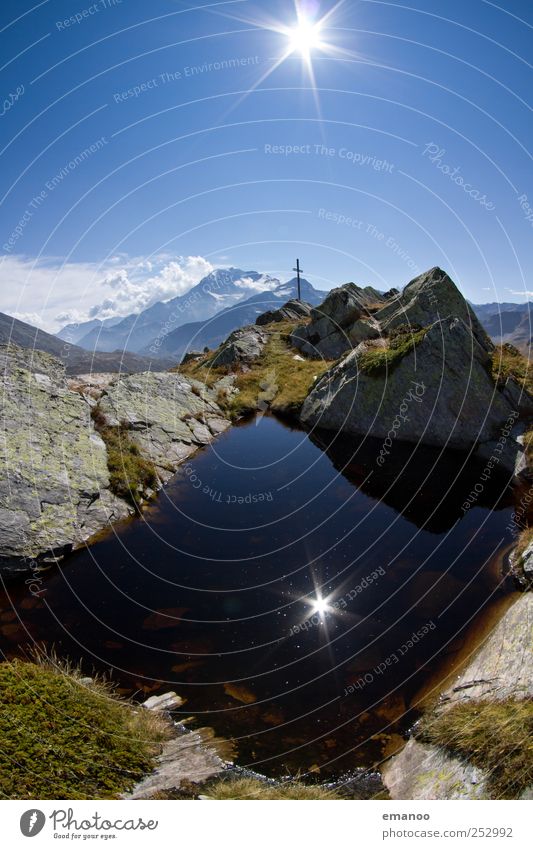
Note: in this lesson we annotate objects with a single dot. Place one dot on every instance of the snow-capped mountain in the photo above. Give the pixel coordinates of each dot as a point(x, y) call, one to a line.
point(221, 289)
point(194, 336)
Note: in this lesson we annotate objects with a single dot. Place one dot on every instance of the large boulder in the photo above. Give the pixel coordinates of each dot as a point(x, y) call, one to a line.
point(54, 487)
point(241, 347)
point(168, 416)
point(430, 297)
point(435, 387)
point(291, 311)
point(340, 323)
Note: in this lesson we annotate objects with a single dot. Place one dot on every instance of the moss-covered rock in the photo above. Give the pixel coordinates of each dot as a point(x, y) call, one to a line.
point(76, 454)
point(434, 387)
point(54, 489)
point(340, 323)
point(63, 738)
point(166, 416)
point(476, 742)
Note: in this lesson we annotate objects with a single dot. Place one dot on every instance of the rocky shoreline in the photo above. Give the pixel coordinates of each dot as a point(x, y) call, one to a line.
point(57, 491)
point(500, 669)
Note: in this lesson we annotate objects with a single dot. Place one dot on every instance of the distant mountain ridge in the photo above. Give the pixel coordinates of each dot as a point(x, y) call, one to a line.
point(74, 332)
point(76, 359)
point(195, 336)
point(507, 322)
point(220, 289)
point(229, 298)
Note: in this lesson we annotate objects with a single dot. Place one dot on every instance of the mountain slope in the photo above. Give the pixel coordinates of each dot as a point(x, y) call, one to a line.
point(485, 311)
point(200, 334)
point(74, 332)
point(507, 323)
point(76, 359)
point(220, 289)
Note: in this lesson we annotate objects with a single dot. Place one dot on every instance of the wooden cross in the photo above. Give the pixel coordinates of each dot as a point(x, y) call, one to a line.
point(298, 272)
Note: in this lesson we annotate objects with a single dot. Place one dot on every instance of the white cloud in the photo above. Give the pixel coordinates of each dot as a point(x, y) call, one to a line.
point(523, 293)
point(53, 293)
point(30, 318)
point(263, 283)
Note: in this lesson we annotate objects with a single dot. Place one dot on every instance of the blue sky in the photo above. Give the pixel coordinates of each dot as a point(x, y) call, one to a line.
point(140, 148)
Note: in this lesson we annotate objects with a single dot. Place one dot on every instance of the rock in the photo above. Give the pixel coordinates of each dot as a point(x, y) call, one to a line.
point(241, 346)
point(166, 702)
point(527, 561)
point(429, 298)
point(291, 311)
point(191, 355)
point(240, 693)
point(168, 416)
point(339, 323)
point(502, 668)
point(217, 425)
point(191, 757)
point(201, 433)
point(509, 449)
point(429, 394)
point(426, 772)
point(54, 491)
point(91, 385)
point(517, 397)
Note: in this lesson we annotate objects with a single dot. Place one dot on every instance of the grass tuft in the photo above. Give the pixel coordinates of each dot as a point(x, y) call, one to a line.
point(276, 379)
point(507, 361)
point(62, 739)
point(253, 789)
point(494, 736)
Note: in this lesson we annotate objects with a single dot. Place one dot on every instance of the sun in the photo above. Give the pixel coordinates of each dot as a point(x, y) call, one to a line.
point(304, 37)
point(320, 606)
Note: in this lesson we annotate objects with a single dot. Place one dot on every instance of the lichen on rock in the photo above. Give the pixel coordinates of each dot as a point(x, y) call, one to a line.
point(57, 488)
point(54, 493)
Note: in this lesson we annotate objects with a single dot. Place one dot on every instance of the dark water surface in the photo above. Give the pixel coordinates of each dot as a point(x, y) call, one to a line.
point(213, 592)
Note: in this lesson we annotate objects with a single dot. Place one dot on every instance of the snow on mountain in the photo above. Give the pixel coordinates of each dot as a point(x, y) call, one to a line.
point(222, 288)
point(212, 331)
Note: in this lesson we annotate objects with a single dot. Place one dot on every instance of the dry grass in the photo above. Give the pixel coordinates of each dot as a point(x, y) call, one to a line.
point(252, 789)
point(200, 370)
point(524, 540)
point(274, 379)
point(497, 737)
point(507, 361)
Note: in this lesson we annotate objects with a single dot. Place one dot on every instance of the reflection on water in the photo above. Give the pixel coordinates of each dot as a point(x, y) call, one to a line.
point(297, 598)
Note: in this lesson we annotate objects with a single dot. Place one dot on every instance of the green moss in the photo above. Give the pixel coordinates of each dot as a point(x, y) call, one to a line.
point(494, 736)
point(64, 740)
point(130, 474)
point(380, 360)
